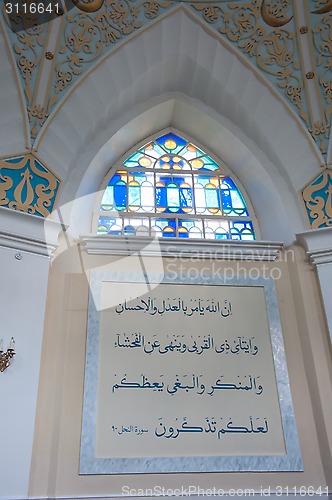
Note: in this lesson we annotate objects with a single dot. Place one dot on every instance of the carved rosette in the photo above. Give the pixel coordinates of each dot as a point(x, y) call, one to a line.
point(317, 197)
point(27, 186)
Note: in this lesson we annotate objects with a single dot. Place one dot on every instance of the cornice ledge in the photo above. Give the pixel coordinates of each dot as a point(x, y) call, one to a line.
point(318, 245)
point(169, 247)
point(28, 233)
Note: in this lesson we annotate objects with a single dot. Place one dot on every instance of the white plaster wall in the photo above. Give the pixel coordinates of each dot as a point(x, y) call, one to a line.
point(23, 289)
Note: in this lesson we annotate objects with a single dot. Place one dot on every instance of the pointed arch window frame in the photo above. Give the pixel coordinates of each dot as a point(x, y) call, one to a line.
point(124, 216)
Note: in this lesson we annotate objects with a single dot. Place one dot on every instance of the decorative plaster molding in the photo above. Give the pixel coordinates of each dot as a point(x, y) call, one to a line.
point(170, 247)
point(29, 234)
point(318, 244)
point(28, 185)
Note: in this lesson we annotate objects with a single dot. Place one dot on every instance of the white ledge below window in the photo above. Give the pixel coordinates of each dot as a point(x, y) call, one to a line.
point(171, 247)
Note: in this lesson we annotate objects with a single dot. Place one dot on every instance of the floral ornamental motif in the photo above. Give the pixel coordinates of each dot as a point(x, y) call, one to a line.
point(273, 49)
point(28, 43)
point(264, 30)
point(317, 197)
point(322, 37)
point(27, 186)
point(86, 36)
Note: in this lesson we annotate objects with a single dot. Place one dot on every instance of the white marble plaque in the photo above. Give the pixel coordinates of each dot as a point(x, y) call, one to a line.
point(186, 377)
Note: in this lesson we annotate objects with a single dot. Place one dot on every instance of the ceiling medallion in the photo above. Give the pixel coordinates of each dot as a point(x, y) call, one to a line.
point(303, 30)
point(310, 75)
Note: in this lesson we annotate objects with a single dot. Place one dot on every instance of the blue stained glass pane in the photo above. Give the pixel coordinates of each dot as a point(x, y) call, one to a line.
point(171, 223)
point(173, 196)
point(186, 197)
point(153, 152)
point(139, 177)
point(116, 178)
point(102, 230)
point(212, 198)
point(106, 221)
point(162, 223)
point(132, 160)
point(202, 179)
point(180, 143)
point(134, 196)
point(107, 203)
point(188, 224)
point(120, 195)
point(237, 199)
point(129, 231)
point(209, 164)
point(168, 233)
point(161, 200)
point(226, 199)
point(242, 228)
point(222, 236)
point(115, 231)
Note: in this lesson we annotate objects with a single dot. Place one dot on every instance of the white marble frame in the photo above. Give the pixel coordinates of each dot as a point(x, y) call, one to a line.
point(90, 464)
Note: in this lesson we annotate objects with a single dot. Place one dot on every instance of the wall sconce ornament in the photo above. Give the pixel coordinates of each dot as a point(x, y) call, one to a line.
point(6, 356)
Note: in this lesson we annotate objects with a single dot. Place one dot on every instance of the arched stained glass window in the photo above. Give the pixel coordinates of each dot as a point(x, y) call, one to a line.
point(171, 188)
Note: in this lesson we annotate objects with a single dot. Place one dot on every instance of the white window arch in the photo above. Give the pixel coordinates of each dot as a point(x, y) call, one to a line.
point(169, 187)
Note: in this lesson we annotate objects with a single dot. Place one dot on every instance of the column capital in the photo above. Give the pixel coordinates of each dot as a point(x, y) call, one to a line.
point(318, 245)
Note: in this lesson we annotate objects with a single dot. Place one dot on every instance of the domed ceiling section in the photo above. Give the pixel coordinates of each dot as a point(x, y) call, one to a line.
point(288, 42)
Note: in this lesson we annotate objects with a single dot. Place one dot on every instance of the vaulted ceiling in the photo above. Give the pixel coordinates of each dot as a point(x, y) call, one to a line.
point(288, 42)
point(258, 71)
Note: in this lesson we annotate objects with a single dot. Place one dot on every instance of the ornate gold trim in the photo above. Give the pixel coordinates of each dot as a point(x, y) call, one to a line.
point(213, 33)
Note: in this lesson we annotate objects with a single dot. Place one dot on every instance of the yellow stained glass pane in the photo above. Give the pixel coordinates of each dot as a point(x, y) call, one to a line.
point(170, 144)
point(196, 164)
point(144, 161)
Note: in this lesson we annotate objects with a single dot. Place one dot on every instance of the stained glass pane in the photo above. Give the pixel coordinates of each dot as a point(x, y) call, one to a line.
point(212, 198)
point(183, 232)
point(107, 202)
point(142, 231)
point(148, 202)
point(120, 195)
point(134, 196)
point(129, 231)
point(161, 197)
point(173, 197)
point(186, 197)
point(195, 232)
point(233, 202)
point(179, 189)
point(172, 143)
